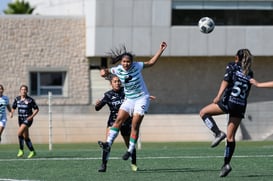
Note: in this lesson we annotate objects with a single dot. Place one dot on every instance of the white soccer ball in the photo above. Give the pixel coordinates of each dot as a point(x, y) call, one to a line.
point(206, 25)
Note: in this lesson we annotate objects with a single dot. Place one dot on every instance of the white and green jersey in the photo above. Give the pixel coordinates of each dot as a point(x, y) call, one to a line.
point(132, 80)
point(4, 101)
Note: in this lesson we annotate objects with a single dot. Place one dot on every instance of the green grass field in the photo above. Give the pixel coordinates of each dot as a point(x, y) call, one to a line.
point(156, 161)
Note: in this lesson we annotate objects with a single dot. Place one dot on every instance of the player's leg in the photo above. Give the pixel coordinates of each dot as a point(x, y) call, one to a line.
point(232, 127)
point(21, 139)
point(2, 127)
point(105, 154)
point(28, 141)
point(136, 122)
point(140, 108)
point(206, 114)
point(114, 130)
point(1, 130)
point(125, 132)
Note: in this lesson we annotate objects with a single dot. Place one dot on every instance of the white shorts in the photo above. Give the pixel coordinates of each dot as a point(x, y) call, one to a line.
point(136, 106)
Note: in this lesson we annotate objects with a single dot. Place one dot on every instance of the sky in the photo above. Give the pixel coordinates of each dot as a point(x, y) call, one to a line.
point(3, 5)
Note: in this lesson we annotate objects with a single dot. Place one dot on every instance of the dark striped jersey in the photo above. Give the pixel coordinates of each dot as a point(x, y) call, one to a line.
point(238, 84)
point(114, 100)
point(25, 107)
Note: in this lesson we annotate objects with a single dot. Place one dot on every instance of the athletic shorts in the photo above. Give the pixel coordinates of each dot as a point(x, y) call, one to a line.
point(234, 110)
point(3, 122)
point(27, 123)
point(136, 106)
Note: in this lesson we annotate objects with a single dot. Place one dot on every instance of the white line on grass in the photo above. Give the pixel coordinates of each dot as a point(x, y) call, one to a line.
point(139, 158)
point(8, 179)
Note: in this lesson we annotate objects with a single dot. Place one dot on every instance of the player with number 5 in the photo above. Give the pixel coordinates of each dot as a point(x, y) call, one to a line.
point(231, 99)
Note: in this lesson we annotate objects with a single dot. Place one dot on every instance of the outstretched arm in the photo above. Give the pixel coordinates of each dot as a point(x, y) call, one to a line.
point(268, 84)
point(154, 59)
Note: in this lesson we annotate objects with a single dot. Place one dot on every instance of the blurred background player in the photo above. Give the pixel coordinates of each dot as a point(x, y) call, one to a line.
point(114, 98)
point(4, 104)
point(234, 91)
point(27, 109)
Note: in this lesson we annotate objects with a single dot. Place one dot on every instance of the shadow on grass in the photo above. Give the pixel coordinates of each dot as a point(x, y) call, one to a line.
point(257, 175)
point(176, 170)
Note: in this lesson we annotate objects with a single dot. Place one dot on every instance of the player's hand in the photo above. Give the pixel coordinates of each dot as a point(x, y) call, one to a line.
point(254, 82)
point(216, 100)
point(104, 72)
point(163, 46)
point(98, 102)
point(152, 98)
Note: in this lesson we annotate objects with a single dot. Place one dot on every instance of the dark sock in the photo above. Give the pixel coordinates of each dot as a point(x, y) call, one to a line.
point(21, 142)
point(105, 156)
point(211, 124)
point(230, 147)
point(29, 144)
point(134, 157)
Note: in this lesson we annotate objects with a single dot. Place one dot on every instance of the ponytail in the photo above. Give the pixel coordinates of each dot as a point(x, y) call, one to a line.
point(246, 61)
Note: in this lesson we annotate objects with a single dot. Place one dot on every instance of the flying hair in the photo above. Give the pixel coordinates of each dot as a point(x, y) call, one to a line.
point(118, 53)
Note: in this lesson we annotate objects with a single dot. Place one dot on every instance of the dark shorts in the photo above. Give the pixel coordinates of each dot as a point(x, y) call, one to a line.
point(234, 110)
point(27, 123)
point(125, 129)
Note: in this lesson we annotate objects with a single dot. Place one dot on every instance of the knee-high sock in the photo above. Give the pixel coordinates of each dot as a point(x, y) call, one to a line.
point(29, 144)
point(230, 147)
point(105, 156)
point(21, 142)
point(211, 124)
point(132, 143)
point(113, 133)
point(133, 161)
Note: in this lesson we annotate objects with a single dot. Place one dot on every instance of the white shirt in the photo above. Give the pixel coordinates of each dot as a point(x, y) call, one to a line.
point(132, 80)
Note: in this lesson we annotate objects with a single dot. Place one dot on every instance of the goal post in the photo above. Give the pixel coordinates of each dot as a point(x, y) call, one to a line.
point(49, 121)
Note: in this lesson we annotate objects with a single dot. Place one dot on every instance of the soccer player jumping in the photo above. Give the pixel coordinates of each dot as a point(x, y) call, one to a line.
point(137, 99)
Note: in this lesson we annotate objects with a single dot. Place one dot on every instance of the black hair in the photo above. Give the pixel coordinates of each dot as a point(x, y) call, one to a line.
point(25, 86)
point(110, 76)
point(117, 54)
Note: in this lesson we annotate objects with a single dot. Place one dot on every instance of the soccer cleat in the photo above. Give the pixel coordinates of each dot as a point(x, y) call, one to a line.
point(31, 154)
point(126, 156)
point(102, 168)
point(20, 153)
point(218, 139)
point(105, 146)
point(134, 167)
point(225, 170)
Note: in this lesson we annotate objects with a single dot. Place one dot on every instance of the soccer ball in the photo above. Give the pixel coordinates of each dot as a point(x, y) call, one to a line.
point(206, 25)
